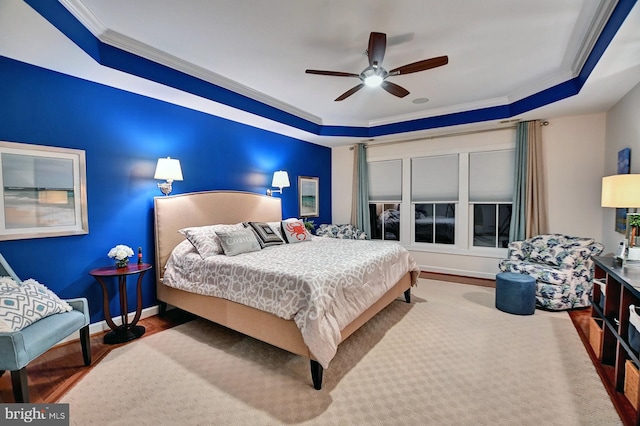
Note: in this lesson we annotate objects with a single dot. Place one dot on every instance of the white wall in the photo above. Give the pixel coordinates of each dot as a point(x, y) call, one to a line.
point(573, 150)
point(623, 131)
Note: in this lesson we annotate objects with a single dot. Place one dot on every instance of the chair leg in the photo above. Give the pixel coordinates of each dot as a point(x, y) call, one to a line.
point(20, 385)
point(85, 341)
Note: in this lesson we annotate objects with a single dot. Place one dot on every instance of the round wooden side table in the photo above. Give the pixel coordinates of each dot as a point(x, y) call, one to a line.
point(127, 330)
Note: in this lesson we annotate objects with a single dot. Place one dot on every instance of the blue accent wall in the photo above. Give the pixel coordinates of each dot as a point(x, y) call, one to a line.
point(123, 135)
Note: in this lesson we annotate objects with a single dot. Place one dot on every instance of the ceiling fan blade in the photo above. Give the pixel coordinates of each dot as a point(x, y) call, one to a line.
point(350, 92)
point(421, 65)
point(394, 89)
point(377, 47)
point(332, 73)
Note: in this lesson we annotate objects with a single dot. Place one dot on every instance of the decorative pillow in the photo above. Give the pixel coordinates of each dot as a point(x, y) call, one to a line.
point(346, 231)
point(267, 237)
point(23, 304)
point(277, 228)
point(205, 238)
point(294, 231)
point(237, 242)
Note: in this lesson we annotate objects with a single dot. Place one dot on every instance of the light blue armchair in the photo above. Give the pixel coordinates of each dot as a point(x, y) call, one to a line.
point(19, 348)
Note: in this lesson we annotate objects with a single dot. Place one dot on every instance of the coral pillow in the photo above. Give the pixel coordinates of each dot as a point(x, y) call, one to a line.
point(294, 231)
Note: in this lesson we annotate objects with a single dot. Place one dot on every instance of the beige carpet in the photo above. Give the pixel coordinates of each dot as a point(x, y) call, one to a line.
point(449, 358)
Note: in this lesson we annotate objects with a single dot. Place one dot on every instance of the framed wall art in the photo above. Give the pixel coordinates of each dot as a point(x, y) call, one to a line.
point(42, 191)
point(308, 193)
point(624, 167)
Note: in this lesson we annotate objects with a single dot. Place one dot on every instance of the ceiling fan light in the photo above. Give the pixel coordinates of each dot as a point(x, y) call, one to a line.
point(373, 80)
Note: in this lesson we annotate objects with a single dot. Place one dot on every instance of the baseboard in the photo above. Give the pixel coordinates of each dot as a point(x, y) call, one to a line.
point(102, 326)
point(459, 272)
point(460, 279)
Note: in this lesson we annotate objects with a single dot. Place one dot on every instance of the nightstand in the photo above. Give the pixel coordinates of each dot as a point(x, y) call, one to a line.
point(128, 330)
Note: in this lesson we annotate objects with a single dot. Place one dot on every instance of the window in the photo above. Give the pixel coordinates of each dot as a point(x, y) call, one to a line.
point(490, 192)
point(438, 227)
point(385, 194)
point(491, 224)
point(434, 195)
point(385, 221)
point(451, 201)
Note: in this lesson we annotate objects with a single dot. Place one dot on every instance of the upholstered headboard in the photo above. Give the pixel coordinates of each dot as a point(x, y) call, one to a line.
point(175, 212)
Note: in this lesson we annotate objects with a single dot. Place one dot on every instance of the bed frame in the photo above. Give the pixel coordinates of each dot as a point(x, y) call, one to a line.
point(175, 212)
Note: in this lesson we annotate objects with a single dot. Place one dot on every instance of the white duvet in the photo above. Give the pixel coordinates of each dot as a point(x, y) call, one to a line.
point(322, 284)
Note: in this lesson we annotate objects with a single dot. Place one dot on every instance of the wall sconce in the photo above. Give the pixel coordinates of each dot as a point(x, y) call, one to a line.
point(168, 169)
point(281, 180)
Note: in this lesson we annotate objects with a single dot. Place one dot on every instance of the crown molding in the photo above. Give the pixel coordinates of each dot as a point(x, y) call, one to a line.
point(130, 45)
point(597, 24)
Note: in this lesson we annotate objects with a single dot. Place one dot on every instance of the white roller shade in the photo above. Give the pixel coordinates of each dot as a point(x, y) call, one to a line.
point(434, 178)
point(491, 176)
point(385, 180)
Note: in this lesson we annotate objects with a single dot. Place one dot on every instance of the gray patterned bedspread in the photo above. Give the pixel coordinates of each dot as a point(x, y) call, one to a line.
point(322, 285)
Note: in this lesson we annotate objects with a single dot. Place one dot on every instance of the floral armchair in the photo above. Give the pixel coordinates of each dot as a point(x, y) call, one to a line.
point(561, 265)
point(347, 231)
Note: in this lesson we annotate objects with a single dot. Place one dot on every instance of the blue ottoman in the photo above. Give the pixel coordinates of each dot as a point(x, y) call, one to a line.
point(516, 293)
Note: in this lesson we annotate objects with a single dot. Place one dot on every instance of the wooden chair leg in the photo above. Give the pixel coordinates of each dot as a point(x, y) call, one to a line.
point(20, 385)
point(85, 341)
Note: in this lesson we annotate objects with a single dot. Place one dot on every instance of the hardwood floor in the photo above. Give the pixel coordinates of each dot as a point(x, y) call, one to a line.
point(580, 319)
point(57, 370)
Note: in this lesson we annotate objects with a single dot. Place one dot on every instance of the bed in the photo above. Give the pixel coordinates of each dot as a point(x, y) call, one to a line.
point(172, 213)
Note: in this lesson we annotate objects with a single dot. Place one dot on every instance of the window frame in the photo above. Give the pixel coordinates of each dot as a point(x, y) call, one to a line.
point(464, 219)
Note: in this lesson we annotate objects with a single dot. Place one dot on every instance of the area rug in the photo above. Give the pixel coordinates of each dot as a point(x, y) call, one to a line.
point(448, 358)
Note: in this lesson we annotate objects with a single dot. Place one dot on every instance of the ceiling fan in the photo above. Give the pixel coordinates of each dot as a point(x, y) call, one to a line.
point(375, 75)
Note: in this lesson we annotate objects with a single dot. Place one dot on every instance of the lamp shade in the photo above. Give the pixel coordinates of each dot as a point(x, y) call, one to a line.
point(280, 179)
point(622, 191)
point(168, 169)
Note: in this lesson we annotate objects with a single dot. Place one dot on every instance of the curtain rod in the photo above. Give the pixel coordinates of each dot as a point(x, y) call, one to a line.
point(446, 135)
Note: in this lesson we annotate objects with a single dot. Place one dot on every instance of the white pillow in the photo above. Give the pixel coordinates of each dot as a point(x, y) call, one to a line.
point(205, 239)
point(23, 304)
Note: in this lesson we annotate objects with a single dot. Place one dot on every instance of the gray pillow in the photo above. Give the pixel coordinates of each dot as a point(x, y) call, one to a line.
point(205, 238)
point(240, 241)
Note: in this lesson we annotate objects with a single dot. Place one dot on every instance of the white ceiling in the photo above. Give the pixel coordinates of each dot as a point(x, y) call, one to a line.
point(500, 51)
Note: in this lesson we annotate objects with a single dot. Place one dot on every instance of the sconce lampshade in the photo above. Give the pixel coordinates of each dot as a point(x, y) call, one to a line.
point(621, 191)
point(280, 179)
point(168, 169)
